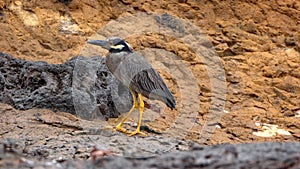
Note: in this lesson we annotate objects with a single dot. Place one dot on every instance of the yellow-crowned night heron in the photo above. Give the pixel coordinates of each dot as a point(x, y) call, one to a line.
point(135, 73)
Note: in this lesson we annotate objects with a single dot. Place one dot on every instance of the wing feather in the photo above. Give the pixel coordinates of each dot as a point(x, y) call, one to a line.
point(150, 84)
point(135, 72)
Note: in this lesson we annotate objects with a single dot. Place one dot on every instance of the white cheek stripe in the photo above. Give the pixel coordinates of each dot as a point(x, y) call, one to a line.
point(128, 45)
point(118, 47)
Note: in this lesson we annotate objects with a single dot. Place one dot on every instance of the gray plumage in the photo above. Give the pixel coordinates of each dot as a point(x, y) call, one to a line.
point(134, 71)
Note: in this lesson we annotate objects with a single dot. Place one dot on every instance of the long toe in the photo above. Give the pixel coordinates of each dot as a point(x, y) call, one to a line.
point(136, 132)
point(121, 129)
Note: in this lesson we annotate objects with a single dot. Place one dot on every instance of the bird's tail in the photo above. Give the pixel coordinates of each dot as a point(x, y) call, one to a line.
point(171, 103)
point(166, 97)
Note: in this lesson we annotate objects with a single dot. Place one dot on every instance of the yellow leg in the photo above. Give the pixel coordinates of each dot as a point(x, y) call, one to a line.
point(134, 106)
point(138, 129)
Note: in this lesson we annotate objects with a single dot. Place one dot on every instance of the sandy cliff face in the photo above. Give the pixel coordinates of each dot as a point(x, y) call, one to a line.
point(258, 44)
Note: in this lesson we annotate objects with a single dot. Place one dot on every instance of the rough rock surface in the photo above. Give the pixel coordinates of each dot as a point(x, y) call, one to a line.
point(258, 45)
point(68, 87)
point(259, 155)
point(40, 138)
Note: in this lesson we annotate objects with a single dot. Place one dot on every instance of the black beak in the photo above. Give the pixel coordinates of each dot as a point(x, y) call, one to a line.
point(103, 43)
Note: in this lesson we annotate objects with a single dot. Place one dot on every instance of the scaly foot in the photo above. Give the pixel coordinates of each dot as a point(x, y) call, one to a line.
point(136, 132)
point(121, 129)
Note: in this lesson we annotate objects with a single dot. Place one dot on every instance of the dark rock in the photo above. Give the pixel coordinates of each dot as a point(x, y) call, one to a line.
point(261, 155)
point(81, 86)
point(252, 155)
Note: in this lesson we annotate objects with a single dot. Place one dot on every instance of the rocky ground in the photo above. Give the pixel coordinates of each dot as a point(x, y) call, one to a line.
point(233, 67)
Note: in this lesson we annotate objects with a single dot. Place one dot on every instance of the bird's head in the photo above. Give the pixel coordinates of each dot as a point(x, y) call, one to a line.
point(114, 44)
